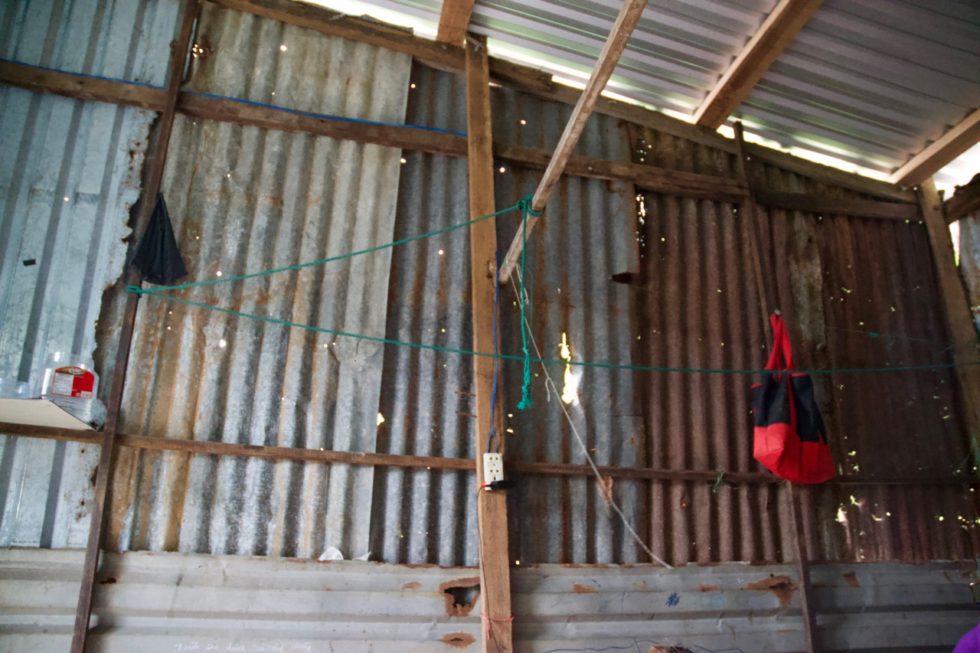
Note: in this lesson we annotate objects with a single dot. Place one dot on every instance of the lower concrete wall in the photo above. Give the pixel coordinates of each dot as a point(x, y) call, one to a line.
point(184, 603)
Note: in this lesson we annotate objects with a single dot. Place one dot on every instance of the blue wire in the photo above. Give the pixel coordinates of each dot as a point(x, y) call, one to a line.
point(264, 105)
point(324, 116)
point(496, 356)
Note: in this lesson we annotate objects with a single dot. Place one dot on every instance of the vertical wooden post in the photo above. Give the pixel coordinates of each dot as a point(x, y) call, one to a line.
point(750, 229)
point(153, 176)
point(491, 506)
point(803, 571)
point(957, 308)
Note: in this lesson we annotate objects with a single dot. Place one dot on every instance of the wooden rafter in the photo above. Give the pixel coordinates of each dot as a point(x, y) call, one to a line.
point(627, 19)
point(776, 32)
point(454, 21)
point(941, 151)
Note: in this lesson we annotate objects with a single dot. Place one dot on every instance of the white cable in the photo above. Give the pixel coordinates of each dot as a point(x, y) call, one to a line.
point(581, 443)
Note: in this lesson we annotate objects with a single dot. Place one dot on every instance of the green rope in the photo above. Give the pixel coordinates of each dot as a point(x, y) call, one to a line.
point(524, 205)
point(526, 209)
point(545, 361)
point(338, 257)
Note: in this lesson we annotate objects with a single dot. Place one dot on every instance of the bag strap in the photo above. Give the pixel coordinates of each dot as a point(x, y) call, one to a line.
point(782, 350)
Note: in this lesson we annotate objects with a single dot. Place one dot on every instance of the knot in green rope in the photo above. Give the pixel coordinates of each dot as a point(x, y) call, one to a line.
point(526, 206)
point(134, 289)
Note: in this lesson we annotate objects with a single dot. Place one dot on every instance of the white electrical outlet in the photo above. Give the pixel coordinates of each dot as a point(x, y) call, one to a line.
point(493, 467)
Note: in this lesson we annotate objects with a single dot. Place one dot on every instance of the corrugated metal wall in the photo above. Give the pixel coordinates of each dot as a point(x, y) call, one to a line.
point(427, 398)
point(857, 293)
point(864, 294)
point(244, 199)
point(587, 237)
point(68, 175)
point(169, 602)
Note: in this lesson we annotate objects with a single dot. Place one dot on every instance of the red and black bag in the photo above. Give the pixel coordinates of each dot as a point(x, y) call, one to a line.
point(789, 437)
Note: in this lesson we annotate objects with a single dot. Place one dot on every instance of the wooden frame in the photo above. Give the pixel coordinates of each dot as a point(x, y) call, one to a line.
point(491, 505)
point(170, 100)
point(941, 151)
point(454, 20)
point(326, 456)
point(776, 32)
point(965, 201)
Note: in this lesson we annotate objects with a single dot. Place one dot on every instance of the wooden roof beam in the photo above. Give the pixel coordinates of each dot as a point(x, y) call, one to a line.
point(777, 31)
point(454, 21)
point(626, 21)
point(965, 201)
point(940, 152)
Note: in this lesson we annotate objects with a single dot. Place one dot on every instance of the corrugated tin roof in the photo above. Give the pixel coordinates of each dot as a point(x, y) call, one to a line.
point(866, 83)
point(167, 602)
point(69, 173)
point(871, 82)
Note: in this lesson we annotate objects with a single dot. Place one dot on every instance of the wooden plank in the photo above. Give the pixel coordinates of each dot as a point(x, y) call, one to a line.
point(82, 87)
point(833, 206)
point(796, 497)
point(941, 151)
point(959, 318)
point(773, 36)
point(454, 20)
point(234, 449)
point(491, 506)
point(408, 138)
point(153, 174)
point(646, 177)
point(627, 19)
point(965, 201)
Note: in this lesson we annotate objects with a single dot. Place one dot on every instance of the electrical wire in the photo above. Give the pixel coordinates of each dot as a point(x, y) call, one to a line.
point(496, 359)
point(585, 450)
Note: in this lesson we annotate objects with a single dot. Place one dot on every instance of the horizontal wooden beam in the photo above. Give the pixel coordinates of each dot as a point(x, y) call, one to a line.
point(82, 87)
point(776, 32)
point(965, 201)
point(941, 151)
point(408, 138)
point(646, 177)
point(832, 206)
point(211, 448)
